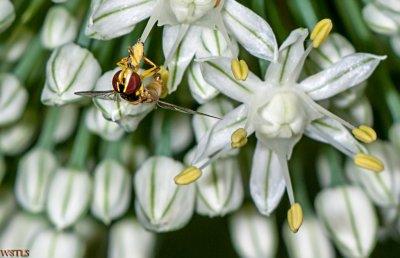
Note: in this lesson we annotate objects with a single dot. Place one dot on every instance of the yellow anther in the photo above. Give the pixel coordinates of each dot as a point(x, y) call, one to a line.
point(164, 77)
point(365, 134)
point(239, 138)
point(188, 176)
point(295, 217)
point(240, 69)
point(217, 2)
point(321, 32)
point(137, 53)
point(369, 162)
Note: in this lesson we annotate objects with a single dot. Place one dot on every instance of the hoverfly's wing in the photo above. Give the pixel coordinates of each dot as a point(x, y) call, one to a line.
point(173, 107)
point(106, 94)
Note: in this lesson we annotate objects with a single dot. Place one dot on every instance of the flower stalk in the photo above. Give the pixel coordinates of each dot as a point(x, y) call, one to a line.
point(29, 60)
point(80, 147)
point(46, 139)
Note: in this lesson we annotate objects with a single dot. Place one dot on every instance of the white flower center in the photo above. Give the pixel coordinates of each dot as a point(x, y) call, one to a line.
point(187, 11)
point(282, 116)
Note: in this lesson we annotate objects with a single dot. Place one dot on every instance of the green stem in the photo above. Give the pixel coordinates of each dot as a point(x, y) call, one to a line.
point(305, 10)
point(111, 149)
point(29, 60)
point(34, 7)
point(81, 146)
point(163, 147)
point(301, 193)
point(46, 139)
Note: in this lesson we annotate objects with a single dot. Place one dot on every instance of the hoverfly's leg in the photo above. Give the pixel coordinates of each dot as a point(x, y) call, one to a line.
point(151, 71)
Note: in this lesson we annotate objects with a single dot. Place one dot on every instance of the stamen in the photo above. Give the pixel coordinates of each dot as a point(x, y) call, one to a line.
point(295, 217)
point(188, 176)
point(369, 162)
point(239, 138)
point(285, 170)
point(365, 134)
point(150, 24)
point(321, 32)
point(240, 70)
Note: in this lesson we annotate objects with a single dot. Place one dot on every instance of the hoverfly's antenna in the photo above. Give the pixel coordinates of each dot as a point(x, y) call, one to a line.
point(184, 110)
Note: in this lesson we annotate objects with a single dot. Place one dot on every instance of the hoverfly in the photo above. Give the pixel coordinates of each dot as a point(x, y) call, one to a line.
point(129, 83)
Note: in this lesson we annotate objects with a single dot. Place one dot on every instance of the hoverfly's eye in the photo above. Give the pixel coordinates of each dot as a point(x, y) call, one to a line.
point(115, 82)
point(134, 83)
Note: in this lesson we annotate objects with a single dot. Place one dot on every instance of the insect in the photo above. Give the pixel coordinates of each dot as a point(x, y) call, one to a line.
point(136, 86)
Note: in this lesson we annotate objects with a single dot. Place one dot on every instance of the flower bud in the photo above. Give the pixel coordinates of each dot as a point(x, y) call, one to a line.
point(161, 205)
point(66, 123)
point(35, 171)
point(128, 116)
point(17, 138)
point(349, 218)
point(68, 197)
point(383, 188)
point(59, 27)
point(395, 43)
point(70, 68)
point(111, 191)
point(394, 135)
point(50, 243)
point(15, 46)
point(302, 244)
point(220, 189)
point(379, 21)
point(321, 32)
point(253, 235)
point(190, 11)
point(13, 99)
point(106, 129)
point(21, 230)
point(7, 205)
point(7, 14)
point(126, 232)
point(176, 127)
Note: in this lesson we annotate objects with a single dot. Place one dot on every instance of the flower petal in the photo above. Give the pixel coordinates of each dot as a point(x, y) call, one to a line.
point(350, 71)
point(7, 14)
point(114, 18)
point(220, 134)
point(290, 54)
point(378, 20)
point(250, 30)
point(184, 53)
point(106, 129)
point(217, 73)
point(267, 184)
point(213, 44)
point(13, 99)
point(330, 131)
point(200, 89)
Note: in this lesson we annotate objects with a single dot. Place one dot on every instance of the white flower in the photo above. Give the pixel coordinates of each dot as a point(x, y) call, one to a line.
point(280, 110)
point(50, 243)
point(160, 204)
point(128, 116)
point(68, 197)
point(15, 47)
point(111, 191)
point(70, 68)
point(35, 171)
point(129, 240)
point(59, 27)
point(7, 14)
point(253, 235)
point(66, 123)
point(13, 99)
point(175, 126)
point(17, 138)
point(7, 205)
point(188, 25)
point(349, 218)
point(96, 123)
point(21, 230)
point(310, 241)
point(383, 188)
point(383, 17)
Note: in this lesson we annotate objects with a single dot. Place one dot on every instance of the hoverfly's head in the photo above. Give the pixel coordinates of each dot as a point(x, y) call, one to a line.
point(126, 81)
